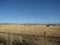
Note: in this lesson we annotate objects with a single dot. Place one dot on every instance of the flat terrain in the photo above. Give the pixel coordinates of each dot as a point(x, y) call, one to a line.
point(33, 34)
point(31, 29)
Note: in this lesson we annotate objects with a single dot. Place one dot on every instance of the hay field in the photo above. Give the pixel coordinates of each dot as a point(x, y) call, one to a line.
point(31, 29)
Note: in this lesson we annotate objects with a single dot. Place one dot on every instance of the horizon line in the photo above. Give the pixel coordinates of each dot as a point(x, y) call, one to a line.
point(33, 23)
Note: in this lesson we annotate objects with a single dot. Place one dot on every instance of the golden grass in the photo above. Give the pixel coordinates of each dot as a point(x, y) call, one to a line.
point(31, 29)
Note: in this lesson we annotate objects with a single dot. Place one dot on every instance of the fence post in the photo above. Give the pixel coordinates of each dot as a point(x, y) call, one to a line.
point(45, 38)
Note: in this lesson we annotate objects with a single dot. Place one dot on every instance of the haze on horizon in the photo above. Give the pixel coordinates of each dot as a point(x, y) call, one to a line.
point(30, 11)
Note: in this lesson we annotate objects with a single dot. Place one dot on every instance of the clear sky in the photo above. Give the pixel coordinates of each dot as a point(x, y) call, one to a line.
point(30, 11)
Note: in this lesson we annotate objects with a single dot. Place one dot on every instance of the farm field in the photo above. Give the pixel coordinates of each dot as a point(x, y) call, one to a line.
point(34, 34)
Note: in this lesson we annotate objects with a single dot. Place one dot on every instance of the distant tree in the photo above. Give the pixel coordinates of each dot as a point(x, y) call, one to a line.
point(47, 25)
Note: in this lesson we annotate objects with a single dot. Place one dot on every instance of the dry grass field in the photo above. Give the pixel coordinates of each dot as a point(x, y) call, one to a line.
point(31, 29)
point(11, 32)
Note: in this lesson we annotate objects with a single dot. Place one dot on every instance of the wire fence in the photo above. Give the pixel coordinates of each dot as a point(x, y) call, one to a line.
point(7, 38)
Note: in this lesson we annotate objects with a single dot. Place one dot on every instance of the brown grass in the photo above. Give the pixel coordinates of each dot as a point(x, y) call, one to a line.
point(31, 29)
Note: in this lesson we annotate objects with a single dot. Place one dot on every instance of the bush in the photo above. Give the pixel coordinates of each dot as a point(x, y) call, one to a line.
point(47, 25)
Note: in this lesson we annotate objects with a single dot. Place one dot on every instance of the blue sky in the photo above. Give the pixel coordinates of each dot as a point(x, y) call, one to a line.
point(30, 11)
